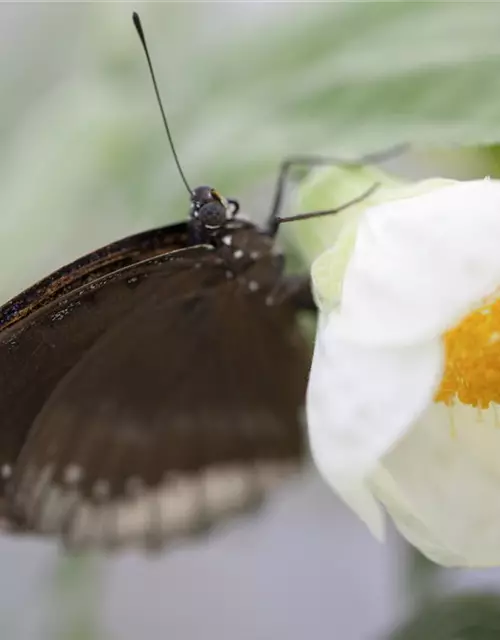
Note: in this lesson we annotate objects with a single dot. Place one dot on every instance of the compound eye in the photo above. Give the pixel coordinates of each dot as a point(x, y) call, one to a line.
point(212, 215)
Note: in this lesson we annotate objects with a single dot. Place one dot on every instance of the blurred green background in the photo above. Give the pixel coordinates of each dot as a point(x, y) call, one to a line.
point(84, 160)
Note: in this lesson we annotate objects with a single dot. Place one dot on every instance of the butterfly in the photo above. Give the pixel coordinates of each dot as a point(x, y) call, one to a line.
point(154, 387)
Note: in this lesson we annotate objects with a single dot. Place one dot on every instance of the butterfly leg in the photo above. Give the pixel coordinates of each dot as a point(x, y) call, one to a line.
point(314, 161)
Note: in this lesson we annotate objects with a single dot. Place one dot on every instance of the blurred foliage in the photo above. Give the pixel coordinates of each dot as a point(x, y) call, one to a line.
point(74, 605)
point(490, 157)
point(468, 616)
point(83, 157)
point(424, 578)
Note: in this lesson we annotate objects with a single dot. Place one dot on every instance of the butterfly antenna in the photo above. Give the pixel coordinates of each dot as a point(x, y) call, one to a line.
point(140, 31)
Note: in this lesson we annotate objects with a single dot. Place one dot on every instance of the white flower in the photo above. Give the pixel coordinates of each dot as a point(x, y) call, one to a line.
point(403, 401)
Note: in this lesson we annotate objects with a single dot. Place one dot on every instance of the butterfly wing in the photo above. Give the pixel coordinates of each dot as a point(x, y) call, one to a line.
point(114, 256)
point(187, 410)
point(39, 349)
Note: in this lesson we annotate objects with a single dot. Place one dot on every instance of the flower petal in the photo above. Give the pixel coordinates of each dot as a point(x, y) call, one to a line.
point(360, 401)
point(421, 263)
point(408, 522)
point(328, 270)
point(440, 485)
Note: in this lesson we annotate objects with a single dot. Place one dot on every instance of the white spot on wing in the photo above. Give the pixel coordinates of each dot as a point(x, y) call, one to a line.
point(238, 254)
point(227, 240)
point(6, 471)
point(253, 285)
point(73, 473)
point(222, 495)
point(174, 508)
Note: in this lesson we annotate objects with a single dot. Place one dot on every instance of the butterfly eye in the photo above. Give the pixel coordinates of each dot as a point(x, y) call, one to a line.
point(212, 215)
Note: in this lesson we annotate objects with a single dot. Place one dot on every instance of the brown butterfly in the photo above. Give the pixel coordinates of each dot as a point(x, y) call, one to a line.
point(153, 387)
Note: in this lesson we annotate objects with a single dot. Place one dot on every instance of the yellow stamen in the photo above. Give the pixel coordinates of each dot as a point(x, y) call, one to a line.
point(472, 349)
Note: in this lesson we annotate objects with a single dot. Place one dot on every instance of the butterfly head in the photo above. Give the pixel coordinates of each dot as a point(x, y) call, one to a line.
point(210, 208)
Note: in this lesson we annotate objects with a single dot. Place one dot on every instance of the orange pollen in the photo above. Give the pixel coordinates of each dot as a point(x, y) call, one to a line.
point(472, 352)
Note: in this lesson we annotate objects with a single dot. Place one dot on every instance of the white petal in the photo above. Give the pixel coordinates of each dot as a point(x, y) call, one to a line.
point(359, 497)
point(411, 526)
point(421, 263)
point(441, 485)
point(360, 401)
